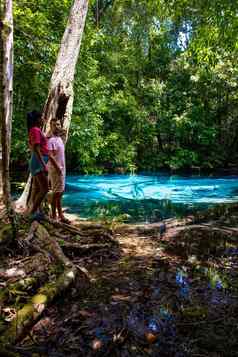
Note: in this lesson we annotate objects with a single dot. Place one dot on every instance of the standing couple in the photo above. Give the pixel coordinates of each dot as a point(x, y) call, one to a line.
point(47, 165)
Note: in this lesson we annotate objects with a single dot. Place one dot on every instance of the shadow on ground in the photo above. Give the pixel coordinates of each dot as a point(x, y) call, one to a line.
point(174, 295)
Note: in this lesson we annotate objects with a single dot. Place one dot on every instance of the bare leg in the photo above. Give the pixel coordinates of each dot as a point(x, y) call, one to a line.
point(59, 208)
point(42, 183)
point(58, 204)
point(53, 205)
point(35, 188)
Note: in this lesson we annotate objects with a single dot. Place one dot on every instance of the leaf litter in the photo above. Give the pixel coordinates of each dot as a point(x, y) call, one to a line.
point(149, 296)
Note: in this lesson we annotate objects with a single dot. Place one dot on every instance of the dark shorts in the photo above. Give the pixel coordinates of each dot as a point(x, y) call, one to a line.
point(35, 165)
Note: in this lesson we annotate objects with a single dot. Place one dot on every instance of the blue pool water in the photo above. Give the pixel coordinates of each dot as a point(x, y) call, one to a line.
point(146, 198)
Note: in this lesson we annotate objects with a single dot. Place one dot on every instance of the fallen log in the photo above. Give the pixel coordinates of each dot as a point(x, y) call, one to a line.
point(31, 312)
point(20, 286)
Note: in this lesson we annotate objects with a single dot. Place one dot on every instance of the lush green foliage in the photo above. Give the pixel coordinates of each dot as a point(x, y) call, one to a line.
point(156, 84)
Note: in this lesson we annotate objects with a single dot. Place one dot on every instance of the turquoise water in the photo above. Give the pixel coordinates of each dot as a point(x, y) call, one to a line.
point(146, 198)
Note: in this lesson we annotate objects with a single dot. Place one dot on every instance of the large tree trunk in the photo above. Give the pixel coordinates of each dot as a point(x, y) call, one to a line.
point(1, 92)
point(59, 103)
point(6, 71)
point(1, 191)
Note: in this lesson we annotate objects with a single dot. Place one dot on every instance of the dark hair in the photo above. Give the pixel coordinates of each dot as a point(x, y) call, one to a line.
point(54, 120)
point(32, 119)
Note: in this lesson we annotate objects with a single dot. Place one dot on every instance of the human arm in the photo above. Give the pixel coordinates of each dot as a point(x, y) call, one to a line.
point(36, 149)
point(54, 162)
point(35, 141)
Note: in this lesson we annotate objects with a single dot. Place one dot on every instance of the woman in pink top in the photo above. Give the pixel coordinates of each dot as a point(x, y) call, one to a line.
point(57, 172)
point(38, 162)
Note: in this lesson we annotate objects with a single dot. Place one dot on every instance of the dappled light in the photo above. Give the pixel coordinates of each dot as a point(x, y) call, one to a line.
point(149, 295)
point(118, 178)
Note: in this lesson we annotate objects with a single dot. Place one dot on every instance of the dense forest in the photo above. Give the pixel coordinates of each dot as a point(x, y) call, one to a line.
point(154, 271)
point(156, 82)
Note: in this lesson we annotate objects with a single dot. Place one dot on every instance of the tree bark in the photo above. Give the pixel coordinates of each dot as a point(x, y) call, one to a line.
point(59, 103)
point(1, 92)
point(6, 64)
point(7, 84)
point(60, 99)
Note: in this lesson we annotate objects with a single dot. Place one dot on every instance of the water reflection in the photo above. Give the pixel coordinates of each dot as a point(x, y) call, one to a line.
point(146, 198)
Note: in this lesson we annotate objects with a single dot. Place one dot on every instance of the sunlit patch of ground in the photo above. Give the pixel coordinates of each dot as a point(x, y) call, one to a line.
point(149, 296)
point(134, 247)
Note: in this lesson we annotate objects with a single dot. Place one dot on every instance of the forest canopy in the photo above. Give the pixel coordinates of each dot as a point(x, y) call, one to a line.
point(156, 82)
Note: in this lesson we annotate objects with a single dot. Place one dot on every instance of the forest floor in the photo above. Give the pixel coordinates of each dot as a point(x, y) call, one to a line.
point(153, 290)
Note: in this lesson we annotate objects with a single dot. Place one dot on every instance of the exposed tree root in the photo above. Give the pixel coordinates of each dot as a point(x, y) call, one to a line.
point(6, 353)
point(54, 272)
point(82, 249)
point(84, 230)
point(3, 213)
point(212, 228)
point(6, 235)
point(29, 313)
point(202, 240)
point(155, 228)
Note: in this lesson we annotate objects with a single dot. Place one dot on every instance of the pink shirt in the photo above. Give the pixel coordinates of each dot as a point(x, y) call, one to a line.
point(36, 137)
point(55, 143)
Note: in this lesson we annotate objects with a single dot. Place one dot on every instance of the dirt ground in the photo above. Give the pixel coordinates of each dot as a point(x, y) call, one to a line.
point(154, 291)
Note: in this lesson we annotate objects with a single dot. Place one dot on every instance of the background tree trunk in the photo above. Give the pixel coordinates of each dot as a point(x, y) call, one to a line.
point(1, 92)
point(6, 97)
point(1, 190)
point(60, 99)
